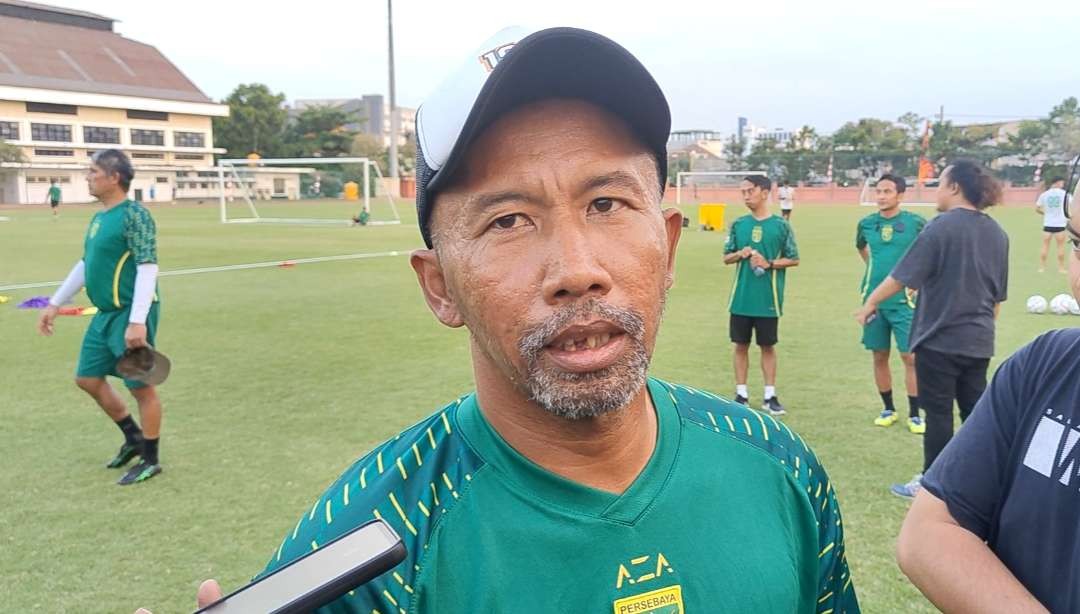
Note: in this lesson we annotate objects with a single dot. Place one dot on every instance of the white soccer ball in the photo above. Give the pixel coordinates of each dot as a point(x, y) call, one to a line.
point(1059, 305)
point(1074, 307)
point(1037, 304)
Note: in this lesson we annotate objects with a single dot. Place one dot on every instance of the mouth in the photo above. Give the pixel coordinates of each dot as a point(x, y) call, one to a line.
point(583, 348)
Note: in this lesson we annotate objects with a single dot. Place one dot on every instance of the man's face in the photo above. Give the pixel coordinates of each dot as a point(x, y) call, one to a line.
point(753, 196)
point(1060, 185)
point(100, 182)
point(945, 192)
point(553, 250)
point(887, 196)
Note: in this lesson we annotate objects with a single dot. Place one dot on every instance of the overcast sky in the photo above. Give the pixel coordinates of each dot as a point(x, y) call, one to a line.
point(781, 63)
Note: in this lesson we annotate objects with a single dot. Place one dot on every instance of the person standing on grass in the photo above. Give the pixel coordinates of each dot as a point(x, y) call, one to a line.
point(762, 248)
point(1051, 205)
point(882, 239)
point(53, 198)
point(960, 265)
point(570, 481)
point(119, 271)
point(786, 192)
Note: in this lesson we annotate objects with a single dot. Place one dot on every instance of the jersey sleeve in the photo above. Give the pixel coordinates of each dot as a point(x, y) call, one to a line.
point(1041, 200)
point(836, 594)
point(970, 473)
point(140, 232)
point(860, 239)
point(731, 245)
point(789, 249)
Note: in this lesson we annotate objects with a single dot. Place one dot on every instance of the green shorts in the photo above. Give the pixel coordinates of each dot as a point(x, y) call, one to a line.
point(104, 343)
point(894, 321)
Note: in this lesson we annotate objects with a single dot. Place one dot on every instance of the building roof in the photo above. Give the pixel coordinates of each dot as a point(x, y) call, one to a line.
point(53, 56)
point(45, 12)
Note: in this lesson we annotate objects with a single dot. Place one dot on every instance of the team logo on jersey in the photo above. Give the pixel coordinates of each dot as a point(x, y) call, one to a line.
point(886, 233)
point(94, 228)
point(1053, 450)
point(756, 234)
point(662, 601)
point(645, 567)
point(490, 59)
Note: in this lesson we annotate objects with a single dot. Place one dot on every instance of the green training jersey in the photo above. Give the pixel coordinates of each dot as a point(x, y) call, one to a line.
point(754, 295)
point(888, 239)
point(54, 194)
point(119, 239)
point(732, 513)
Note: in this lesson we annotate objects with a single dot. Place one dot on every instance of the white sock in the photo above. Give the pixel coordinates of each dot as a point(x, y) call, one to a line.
point(770, 392)
point(740, 390)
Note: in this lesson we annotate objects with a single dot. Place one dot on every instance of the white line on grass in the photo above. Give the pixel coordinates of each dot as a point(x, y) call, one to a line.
point(233, 267)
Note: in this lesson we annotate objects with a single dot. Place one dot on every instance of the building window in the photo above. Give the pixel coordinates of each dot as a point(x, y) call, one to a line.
point(154, 115)
point(147, 137)
point(54, 152)
point(141, 155)
point(9, 131)
point(44, 107)
point(204, 186)
point(162, 180)
point(97, 134)
point(50, 132)
point(184, 156)
point(189, 139)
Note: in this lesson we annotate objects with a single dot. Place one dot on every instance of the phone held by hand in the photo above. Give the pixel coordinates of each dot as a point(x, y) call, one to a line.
point(320, 576)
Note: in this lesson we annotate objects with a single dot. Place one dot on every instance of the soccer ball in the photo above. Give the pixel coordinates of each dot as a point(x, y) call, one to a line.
point(1074, 307)
point(1059, 305)
point(1036, 304)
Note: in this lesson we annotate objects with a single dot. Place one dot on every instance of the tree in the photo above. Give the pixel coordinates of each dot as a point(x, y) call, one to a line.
point(255, 122)
point(11, 153)
point(872, 146)
point(319, 132)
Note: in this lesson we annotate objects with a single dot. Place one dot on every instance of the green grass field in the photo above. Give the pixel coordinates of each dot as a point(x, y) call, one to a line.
point(283, 376)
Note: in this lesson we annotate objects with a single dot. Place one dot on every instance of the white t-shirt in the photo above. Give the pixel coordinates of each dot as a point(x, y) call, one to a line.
point(1052, 202)
point(787, 197)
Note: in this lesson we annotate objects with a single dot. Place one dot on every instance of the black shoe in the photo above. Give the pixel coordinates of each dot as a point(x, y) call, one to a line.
point(773, 406)
point(139, 473)
point(127, 452)
point(742, 400)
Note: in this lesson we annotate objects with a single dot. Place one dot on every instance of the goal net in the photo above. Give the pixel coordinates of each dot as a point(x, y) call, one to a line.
point(304, 191)
point(918, 194)
point(710, 186)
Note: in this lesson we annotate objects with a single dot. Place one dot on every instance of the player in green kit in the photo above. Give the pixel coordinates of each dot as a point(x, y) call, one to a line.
point(762, 247)
point(570, 481)
point(883, 238)
point(53, 198)
point(119, 271)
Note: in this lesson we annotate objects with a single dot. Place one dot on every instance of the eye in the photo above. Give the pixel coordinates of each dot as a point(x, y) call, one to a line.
point(507, 222)
point(604, 205)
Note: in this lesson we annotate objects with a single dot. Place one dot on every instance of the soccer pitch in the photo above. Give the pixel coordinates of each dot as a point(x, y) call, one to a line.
point(283, 376)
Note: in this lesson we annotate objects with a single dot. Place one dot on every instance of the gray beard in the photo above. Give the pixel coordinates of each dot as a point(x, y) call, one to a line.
point(578, 396)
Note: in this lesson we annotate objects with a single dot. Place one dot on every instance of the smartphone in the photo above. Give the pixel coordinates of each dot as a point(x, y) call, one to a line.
point(320, 576)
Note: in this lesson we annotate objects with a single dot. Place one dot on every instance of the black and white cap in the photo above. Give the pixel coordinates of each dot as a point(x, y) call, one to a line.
point(518, 66)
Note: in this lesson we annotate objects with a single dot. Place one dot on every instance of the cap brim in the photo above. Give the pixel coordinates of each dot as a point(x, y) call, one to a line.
point(155, 375)
point(566, 63)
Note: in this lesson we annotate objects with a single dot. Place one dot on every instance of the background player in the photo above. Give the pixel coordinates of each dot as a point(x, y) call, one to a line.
point(786, 194)
point(882, 238)
point(762, 246)
point(1051, 205)
point(53, 198)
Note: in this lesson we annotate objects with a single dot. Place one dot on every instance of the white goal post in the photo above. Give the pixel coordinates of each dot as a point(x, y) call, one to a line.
point(917, 192)
point(236, 179)
point(687, 178)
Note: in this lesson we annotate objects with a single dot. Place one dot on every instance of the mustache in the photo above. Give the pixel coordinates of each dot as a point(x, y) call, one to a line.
point(534, 338)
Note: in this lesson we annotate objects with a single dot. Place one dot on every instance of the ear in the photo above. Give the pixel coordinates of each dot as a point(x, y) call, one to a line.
point(429, 273)
point(673, 225)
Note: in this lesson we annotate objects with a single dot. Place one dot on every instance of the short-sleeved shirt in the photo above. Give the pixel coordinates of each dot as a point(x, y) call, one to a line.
point(760, 296)
point(1052, 202)
point(1011, 475)
point(787, 197)
point(888, 239)
point(54, 194)
point(959, 264)
point(118, 240)
point(732, 513)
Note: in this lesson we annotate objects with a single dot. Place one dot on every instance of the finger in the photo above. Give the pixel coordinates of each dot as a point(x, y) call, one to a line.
point(209, 592)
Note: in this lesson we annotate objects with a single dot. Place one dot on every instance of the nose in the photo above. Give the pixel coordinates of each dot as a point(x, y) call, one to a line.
point(574, 266)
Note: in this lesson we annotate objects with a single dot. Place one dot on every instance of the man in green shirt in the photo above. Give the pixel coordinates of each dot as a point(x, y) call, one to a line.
point(882, 239)
point(762, 247)
point(570, 481)
point(54, 198)
point(119, 271)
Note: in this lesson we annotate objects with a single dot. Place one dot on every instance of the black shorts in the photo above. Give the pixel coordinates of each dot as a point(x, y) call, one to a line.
point(54, 203)
point(1053, 229)
point(765, 330)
